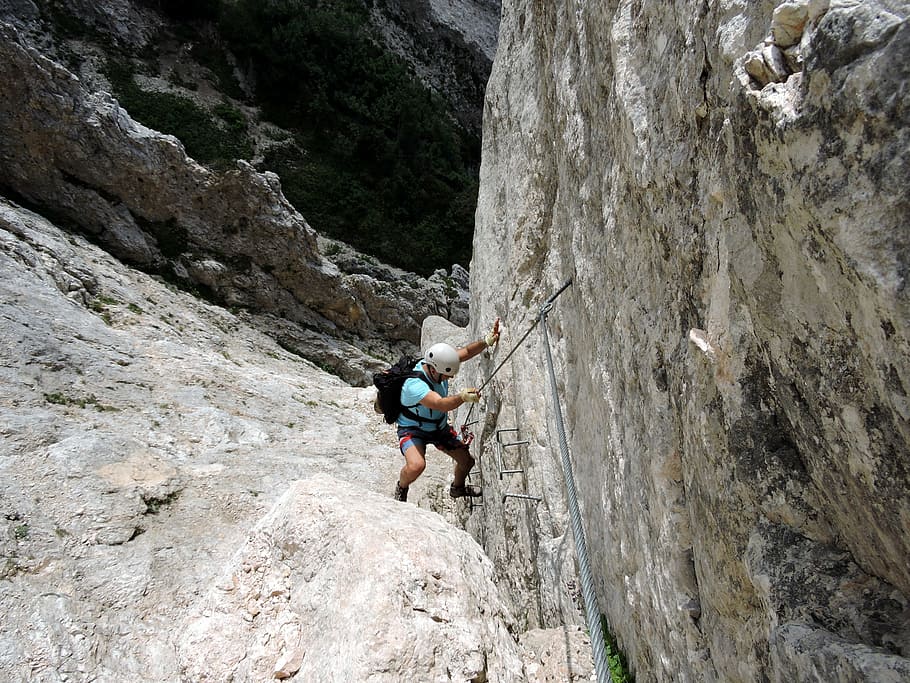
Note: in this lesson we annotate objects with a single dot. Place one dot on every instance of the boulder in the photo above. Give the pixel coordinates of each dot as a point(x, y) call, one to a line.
point(337, 583)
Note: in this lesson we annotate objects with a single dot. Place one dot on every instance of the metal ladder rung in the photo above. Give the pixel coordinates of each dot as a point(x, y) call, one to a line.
point(521, 496)
point(502, 468)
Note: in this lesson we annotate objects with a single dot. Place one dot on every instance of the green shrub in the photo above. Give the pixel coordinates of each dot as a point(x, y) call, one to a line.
point(386, 168)
point(619, 668)
point(59, 398)
point(207, 139)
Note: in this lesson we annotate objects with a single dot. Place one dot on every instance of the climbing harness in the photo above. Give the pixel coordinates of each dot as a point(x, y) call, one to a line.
point(466, 435)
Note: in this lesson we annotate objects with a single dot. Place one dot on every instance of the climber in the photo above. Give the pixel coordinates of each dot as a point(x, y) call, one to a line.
point(430, 406)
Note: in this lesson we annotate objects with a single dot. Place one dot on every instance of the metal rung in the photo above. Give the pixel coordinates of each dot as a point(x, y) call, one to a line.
point(502, 445)
point(502, 468)
point(522, 496)
point(502, 472)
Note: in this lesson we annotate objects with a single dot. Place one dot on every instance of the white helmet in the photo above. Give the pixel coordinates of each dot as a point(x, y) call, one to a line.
point(443, 358)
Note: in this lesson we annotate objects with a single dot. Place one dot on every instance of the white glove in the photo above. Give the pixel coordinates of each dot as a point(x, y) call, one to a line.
point(470, 395)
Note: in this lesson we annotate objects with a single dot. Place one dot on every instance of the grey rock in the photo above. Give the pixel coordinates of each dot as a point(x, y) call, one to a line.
point(628, 149)
point(756, 66)
point(450, 45)
point(776, 63)
point(26, 17)
point(804, 653)
point(562, 654)
point(23, 10)
point(404, 595)
point(788, 22)
point(128, 23)
point(78, 155)
point(150, 523)
point(793, 574)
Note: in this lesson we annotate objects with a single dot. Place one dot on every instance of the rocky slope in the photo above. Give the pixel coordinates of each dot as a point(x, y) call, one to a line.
point(725, 182)
point(75, 153)
point(182, 499)
point(449, 44)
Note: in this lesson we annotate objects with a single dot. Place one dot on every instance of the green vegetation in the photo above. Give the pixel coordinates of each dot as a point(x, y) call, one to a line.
point(101, 300)
point(100, 306)
point(376, 160)
point(619, 668)
point(215, 139)
point(62, 399)
point(21, 532)
point(155, 503)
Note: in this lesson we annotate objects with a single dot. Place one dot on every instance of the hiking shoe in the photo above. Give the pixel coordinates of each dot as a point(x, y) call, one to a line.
point(401, 493)
point(464, 491)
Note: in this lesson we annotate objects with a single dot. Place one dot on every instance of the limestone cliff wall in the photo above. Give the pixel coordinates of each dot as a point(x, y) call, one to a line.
point(726, 183)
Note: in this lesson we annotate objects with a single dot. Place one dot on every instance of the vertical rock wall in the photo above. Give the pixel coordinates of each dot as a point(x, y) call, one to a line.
point(726, 183)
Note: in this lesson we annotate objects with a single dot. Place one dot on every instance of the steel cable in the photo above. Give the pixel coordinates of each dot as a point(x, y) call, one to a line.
point(592, 611)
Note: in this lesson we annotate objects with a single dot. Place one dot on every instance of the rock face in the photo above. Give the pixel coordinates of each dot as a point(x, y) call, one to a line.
point(150, 526)
point(726, 184)
point(450, 45)
point(232, 234)
point(142, 433)
point(350, 586)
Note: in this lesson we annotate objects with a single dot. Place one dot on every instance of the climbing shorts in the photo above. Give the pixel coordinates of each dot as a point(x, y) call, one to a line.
point(445, 439)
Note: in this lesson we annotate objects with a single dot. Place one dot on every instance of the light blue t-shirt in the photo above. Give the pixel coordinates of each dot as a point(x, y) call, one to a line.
point(412, 393)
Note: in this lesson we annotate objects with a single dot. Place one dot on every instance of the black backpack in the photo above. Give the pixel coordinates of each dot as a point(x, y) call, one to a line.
point(388, 385)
